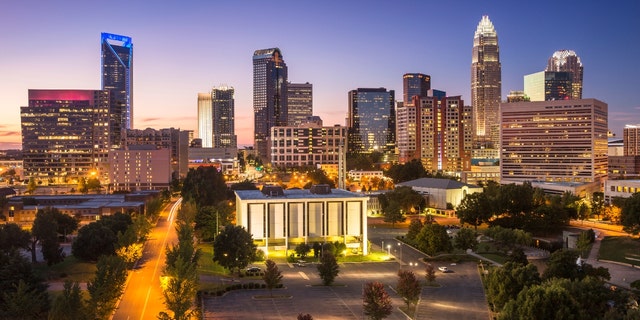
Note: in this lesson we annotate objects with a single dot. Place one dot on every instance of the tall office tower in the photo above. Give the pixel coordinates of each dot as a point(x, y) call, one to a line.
point(568, 61)
point(117, 77)
point(415, 84)
point(554, 141)
point(439, 133)
point(486, 83)
point(269, 97)
point(299, 102)
point(65, 134)
point(371, 121)
point(205, 119)
point(548, 85)
point(631, 140)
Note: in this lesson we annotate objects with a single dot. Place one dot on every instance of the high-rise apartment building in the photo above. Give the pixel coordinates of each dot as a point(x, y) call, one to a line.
point(548, 85)
point(306, 145)
point(438, 131)
point(371, 121)
point(415, 84)
point(66, 134)
point(117, 77)
point(486, 83)
point(554, 141)
point(269, 96)
point(568, 61)
point(631, 140)
point(216, 118)
point(299, 102)
point(175, 140)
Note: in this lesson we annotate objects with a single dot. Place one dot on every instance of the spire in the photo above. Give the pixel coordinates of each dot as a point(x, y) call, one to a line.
point(485, 28)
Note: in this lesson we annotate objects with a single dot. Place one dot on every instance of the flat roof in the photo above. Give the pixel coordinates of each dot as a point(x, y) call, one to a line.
point(297, 194)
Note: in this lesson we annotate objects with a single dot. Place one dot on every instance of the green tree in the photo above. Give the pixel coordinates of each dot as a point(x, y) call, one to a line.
point(180, 285)
point(430, 273)
point(549, 300)
point(13, 238)
point(508, 239)
point(408, 287)
point(630, 214)
point(597, 203)
point(272, 276)
point(244, 185)
point(93, 184)
point(234, 248)
point(31, 186)
point(466, 239)
point(475, 209)
point(504, 283)
point(302, 250)
point(414, 229)
point(69, 305)
point(328, 268)
point(24, 302)
point(393, 214)
point(433, 238)
point(15, 268)
point(377, 303)
point(45, 232)
point(517, 255)
point(405, 172)
point(94, 240)
point(107, 286)
point(304, 316)
point(205, 186)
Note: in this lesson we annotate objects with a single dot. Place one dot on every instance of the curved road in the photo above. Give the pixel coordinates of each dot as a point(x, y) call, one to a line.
point(142, 298)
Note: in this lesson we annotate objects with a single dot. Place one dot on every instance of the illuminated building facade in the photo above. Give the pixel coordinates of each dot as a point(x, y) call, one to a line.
point(65, 134)
point(216, 118)
point(548, 85)
point(371, 121)
point(138, 168)
point(444, 133)
point(269, 96)
point(281, 219)
point(561, 141)
point(486, 83)
point(174, 140)
point(415, 84)
point(631, 140)
point(309, 144)
point(568, 61)
point(117, 77)
point(299, 103)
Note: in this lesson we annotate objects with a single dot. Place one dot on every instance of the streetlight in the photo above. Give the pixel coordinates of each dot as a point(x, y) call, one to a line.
point(400, 245)
point(389, 250)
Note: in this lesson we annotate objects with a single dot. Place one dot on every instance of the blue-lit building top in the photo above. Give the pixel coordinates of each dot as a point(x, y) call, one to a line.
point(372, 120)
point(117, 77)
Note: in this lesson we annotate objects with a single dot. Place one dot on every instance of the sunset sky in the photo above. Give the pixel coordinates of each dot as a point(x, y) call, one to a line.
point(185, 47)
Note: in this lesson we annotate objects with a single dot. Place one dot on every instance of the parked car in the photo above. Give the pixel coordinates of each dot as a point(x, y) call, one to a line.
point(301, 263)
point(253, 271)
point(443, 269)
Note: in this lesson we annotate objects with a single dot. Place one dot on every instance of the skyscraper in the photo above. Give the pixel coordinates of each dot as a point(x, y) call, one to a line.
point(371, 121)
point(631, 138)
point(548, 85)
point(216, 118)
point(269, 97)
point(486, 83)
point(415, 84)
point(64, 136)
point(568, 61)
point(117, 77)
point(299, 102)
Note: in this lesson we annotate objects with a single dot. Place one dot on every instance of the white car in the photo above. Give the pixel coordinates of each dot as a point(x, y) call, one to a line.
point(443, 269)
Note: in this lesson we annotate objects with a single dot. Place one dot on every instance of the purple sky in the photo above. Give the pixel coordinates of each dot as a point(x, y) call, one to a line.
point(185, 47)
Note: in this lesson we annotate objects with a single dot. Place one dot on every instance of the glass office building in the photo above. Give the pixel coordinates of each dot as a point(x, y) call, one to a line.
point(372, 121)
point(117, 77)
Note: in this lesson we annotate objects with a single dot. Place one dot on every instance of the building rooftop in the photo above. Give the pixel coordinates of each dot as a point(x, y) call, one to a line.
point(436, 183)
point(296, 194)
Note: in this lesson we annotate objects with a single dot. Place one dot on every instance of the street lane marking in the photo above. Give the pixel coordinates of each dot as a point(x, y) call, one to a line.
point(303, 275)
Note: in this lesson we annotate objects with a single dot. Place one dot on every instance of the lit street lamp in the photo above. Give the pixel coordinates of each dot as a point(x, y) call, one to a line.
point(389, 250)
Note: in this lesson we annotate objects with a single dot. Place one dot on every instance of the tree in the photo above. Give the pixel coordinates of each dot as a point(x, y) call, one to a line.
point(302, 250)
point(414, 229)
point(433, 238)
point(272, 276)
point(549, 300)
point(13, 238)
point(404, 172)
point(69, 304)
point(507, 238)
point(504, 283)
point(304, 316)
point(234, 248)
point(328, 268)
point(24, 302)
point(377, 303)
point(107, 286)
point(205, 186)
point(392, 214)
point(408, 287)
point(430, 273)
point(466, 239)
point(94, 240)
point(45, 232)
point(597, 203)
point(475, 209)
point(31, 186)
point(15, 268)
point(518, 256)
point(630, 214)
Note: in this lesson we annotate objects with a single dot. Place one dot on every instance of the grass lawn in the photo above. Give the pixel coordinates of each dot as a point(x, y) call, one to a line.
point(206, 264)
point(619, 249)
point(70, 269)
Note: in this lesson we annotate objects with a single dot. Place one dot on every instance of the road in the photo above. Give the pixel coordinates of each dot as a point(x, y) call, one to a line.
point(142, 298)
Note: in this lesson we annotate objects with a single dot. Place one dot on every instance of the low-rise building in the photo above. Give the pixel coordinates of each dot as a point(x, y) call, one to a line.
point(620, 188)
point(280, 219)
point(440, 192)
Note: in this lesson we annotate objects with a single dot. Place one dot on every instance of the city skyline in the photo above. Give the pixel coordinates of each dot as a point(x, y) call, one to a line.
point(337, 48)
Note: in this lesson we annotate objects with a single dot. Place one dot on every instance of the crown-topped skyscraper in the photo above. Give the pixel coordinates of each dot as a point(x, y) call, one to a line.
point(568, 61)
point(486, 84)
